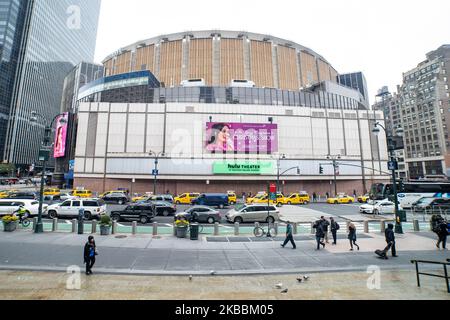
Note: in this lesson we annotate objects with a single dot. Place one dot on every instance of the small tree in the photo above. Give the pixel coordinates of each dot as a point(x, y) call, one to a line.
point(7, 168)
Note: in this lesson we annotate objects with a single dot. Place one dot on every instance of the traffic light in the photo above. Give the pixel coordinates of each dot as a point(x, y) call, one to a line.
point(320, 169)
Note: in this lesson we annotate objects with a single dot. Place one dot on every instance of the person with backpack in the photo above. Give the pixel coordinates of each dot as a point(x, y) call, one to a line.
point(334, 229)
point(325, 225)
point(352, 236)
point(319, 234)
point(390, 240)
point(90, 251)
point(289, 236)
point(442, 233)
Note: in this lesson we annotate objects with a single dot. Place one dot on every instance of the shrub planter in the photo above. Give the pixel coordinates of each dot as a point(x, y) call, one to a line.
point(9, 226)
point(105, 230)
point(182, 232)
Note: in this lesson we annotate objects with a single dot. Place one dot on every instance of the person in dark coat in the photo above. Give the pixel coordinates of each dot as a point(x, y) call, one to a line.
point(352, 236)
point(390, 240)
point(90, 251)
point(319, 234)
point(325, 225)
point(442, 232)
point(334, 226)
point(289, 236)
point(314, 197)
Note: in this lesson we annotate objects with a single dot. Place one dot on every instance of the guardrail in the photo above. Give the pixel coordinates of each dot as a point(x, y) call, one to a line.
point(444, 264)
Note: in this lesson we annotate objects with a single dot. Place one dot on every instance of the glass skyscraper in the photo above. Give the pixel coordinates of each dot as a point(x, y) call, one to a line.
point(57, 35)
point(12, 21)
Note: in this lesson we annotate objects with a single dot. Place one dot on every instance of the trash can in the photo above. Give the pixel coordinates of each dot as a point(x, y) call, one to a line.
point(402, 215)
point(194, 228)
point(81, 221)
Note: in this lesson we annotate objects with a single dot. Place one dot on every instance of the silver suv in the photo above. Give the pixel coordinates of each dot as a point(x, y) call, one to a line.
point(93, 208)
point(253, 213)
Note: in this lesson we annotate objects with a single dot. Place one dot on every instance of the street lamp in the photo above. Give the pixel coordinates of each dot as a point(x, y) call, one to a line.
point(335, 167)
point(44, 154)
point(155, 170)
point(394, 166)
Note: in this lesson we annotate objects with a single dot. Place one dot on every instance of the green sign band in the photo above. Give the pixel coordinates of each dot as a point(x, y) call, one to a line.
point(249, 168)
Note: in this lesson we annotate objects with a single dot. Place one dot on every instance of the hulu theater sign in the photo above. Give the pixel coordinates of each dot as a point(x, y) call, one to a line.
point(244, 168)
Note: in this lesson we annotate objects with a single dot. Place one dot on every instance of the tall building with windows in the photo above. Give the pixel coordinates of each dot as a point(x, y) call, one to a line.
point(422, 108)
point(57, 35)
point(356, 81)
point(12, 21)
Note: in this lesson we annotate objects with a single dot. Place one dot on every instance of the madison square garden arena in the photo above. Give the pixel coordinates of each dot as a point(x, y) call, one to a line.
point(214, 111)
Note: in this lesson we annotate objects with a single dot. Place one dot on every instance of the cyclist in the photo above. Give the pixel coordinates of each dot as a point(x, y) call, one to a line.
point(21, 213)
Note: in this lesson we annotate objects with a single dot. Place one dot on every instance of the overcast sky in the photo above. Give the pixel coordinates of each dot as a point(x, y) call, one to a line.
point(382, 38)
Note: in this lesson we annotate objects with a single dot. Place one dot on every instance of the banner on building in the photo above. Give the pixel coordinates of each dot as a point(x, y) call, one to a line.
point(59, 150)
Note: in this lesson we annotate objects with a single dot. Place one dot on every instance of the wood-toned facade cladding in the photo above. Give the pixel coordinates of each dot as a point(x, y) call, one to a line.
point(231, 60)
point(287, 68)
point(261, 64)
point(171, 61)
point(145, 58)
point(201, 60)
point(333, 74)
point(309, 68)
point(108, 68)
point(324, 70)
point(123, 63)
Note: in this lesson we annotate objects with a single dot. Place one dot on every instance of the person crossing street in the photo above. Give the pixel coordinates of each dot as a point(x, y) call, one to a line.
point(289, 236)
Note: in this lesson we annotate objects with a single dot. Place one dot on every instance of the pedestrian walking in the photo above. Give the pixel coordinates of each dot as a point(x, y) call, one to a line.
point(327, 195)
point(442, 233)
point(319, 234)
point(354, 194)
point(334, 226)
point(90, 251)
point(352, 236)
point(289, 236)
point(314, 197)
point(243, 196)
point(325, 225)
point(390, 240)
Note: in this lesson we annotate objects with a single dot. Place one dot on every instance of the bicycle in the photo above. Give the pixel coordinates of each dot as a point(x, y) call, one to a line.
point(24, 221)
point(261, 232)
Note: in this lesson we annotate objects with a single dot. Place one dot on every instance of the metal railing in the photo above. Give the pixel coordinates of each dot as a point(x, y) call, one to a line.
point(444, 264)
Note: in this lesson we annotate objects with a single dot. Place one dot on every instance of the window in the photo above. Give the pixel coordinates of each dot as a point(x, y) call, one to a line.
point(76, 203)
point(66, 204)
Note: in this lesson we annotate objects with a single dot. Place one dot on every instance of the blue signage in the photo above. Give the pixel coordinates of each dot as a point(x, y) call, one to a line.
point(155, 172)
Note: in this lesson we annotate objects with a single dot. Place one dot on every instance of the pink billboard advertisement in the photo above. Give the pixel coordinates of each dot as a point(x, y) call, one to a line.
point(256, 138)
point(59, 150)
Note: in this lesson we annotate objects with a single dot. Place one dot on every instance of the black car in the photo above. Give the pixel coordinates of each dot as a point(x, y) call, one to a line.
point(164, 208)
point(119, 198)
point(141, 212)
point(23, 195)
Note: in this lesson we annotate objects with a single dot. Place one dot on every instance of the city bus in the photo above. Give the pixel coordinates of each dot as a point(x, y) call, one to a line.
point(410, 192)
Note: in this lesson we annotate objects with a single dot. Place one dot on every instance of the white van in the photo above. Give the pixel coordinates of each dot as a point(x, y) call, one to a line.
point(253, 213)
point(8, 206)
point(93, 208)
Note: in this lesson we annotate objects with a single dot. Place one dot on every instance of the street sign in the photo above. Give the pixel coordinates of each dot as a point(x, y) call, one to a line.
point(155, 172)
point(44, 154)
point(392, 165)
point(273, 196)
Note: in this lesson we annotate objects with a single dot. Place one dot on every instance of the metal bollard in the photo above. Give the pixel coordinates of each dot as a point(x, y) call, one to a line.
point(366, 226)
point(174, 229)
point(94, 227)
point(114, 227)
point(236, 229)
point(275, 226)
point(416, 225)
point(35, 219)
point(295, 228)
point(74, 225)
point(216, 229)
point(382, 226)
point(55, 225)
point(134, 228)
point(155, 228)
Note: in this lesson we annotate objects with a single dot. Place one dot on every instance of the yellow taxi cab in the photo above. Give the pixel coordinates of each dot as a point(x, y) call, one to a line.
point(82, 193)
point(250, 200)
point(297, 198)
point(5, 193)
point(364, 198)
point(263, 199)
point(232, 197)
point(186, 198)
point(52, 192)
point(342, 198)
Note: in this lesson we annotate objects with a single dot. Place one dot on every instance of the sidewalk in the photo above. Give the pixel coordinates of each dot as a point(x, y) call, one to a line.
point(167, 255)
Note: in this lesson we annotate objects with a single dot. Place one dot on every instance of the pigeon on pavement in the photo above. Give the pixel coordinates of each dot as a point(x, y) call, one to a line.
point(299, 279)
point(190, 278)
point(279, 286)
point(284, 291)
point(212, 272)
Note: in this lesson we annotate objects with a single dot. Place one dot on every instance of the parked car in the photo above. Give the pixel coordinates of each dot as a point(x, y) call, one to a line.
point(8, 206)
point(281, 199)
point(297, 198)
point(67, 196)
point(164, 208)
point(200, 214)
point(82, 193)
point(22, 195)
point(113, 191)
point(93, 208)
point(51, 192)
point(432, 205)
point(142, 212)
point(343, 198)
point(232, 197)
point(212, 199)
point(378, 207)
point(119, 198)
point(186, 198)
point(52, 199)
point(253, 213)
point(162, 197)
point(364, 198)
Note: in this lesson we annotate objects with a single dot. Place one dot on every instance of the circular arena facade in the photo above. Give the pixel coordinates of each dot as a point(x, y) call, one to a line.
point(216, 136)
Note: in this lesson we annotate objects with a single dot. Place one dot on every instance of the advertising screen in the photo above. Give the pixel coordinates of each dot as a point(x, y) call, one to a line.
point(59, 150)
point(222, 137)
